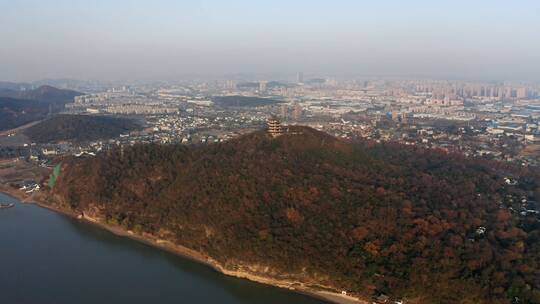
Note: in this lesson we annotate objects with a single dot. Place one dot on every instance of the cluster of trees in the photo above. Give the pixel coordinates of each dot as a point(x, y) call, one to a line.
point(13, 151)
point(79, 128)
point(364, 217)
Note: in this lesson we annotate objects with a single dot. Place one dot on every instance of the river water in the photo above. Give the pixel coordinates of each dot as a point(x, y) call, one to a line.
point(46, 257)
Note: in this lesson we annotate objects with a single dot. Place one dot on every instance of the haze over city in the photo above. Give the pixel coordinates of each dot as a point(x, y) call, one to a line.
point(263, 152)
point(168, 40)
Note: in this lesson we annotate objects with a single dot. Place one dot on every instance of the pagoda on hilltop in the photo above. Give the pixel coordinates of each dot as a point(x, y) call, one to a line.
point(274, 126)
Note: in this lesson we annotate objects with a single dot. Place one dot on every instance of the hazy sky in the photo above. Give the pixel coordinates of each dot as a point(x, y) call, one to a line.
point(164, 39)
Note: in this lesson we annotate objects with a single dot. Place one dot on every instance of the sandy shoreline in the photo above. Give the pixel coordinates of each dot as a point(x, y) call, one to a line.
point(299, 287)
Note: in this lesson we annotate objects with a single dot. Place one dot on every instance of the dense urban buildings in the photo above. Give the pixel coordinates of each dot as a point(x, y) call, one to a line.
point(488, 120)
point(494, 120)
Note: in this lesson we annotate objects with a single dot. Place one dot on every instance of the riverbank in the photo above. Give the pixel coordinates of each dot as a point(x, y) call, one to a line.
point(18, 194)
point(320, 292)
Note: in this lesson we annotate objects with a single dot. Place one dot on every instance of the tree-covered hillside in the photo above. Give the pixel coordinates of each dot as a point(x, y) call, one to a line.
point(363, 217)
point(79, 128)
point(19, 107)
point(17, 112)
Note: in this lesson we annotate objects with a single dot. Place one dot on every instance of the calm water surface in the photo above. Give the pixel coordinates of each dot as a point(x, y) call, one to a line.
point(46, 257)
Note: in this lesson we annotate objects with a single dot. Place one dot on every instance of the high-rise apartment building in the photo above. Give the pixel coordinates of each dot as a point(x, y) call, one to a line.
point(300, 77)
point(263, 86)
point(297, 113)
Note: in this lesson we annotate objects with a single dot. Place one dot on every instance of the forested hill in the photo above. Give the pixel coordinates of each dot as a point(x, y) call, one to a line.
point(18, 107)
point(364, 217)
point(79, 128)
point(17, 112)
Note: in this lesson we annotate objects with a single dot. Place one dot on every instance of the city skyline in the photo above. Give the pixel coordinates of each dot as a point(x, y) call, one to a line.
point(166, 40)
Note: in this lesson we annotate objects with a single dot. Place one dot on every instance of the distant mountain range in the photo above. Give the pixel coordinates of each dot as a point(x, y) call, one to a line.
point(57, 83)
point(43, 94)
point(14, 86)
point(18, 107)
